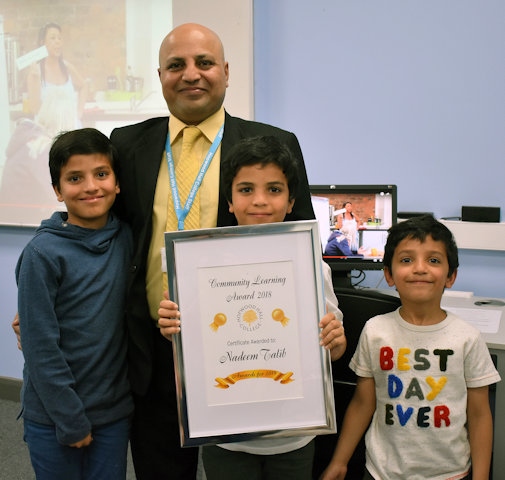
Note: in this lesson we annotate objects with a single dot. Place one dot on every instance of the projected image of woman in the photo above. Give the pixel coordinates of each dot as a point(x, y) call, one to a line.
point(54, 77)
point(25, 180)
point(348, 224)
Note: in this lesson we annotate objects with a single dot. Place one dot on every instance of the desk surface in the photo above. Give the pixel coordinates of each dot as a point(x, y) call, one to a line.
point(467, 309)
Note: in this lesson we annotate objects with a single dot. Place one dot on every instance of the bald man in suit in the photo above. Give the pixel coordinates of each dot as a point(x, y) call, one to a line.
point(194, 76)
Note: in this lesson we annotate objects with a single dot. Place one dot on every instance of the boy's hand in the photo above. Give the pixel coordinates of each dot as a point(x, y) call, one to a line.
point(83, 443)
point(169, 321)
point(332, 335)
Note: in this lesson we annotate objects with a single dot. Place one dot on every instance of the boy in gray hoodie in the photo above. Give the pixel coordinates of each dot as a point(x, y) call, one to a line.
point(71, 277)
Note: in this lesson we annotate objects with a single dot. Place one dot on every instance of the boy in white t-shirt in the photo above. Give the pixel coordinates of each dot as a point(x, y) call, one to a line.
point(423, 373)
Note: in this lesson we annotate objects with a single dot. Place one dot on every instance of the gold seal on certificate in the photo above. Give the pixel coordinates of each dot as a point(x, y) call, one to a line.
point(278, 316)
point(219, 321)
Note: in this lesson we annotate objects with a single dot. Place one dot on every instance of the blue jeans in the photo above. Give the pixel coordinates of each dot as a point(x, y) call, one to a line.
point(103, 459)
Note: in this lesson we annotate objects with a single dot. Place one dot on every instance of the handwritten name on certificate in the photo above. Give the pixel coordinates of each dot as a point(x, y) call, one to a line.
point(250, 333)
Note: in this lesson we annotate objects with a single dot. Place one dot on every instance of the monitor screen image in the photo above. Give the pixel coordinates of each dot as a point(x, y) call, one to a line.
point(353, 223)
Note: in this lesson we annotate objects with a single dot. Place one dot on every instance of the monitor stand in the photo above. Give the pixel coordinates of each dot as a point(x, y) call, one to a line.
point(341, 279)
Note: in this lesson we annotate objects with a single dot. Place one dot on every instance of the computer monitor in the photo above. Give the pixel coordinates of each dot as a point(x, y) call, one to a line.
point(371, 209)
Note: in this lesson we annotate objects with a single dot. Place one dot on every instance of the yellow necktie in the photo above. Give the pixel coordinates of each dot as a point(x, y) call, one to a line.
point(186, 171)
point(185, 174)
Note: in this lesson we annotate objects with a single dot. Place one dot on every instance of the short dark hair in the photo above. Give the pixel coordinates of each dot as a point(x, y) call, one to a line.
point(264, 150)
point(84, 141)
point(418, 228)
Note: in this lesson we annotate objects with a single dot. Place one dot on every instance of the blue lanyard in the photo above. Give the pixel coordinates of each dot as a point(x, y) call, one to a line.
point(182, 212)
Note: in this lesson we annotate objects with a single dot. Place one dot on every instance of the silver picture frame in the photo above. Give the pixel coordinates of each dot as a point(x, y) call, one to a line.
point(248, 362)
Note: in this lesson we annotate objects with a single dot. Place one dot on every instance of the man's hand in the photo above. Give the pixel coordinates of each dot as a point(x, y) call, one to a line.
point(15, 327)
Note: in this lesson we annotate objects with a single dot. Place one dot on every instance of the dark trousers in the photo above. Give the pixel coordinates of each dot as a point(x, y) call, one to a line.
point(222, 464)
point(155, 442)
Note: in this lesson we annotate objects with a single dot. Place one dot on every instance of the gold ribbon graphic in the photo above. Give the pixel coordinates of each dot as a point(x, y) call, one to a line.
point(275, 375)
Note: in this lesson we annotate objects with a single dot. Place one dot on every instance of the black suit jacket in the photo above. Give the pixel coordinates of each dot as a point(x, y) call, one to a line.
point(140, 148)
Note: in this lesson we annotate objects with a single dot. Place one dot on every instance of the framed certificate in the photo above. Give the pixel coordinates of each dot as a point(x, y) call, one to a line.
point(248, 360)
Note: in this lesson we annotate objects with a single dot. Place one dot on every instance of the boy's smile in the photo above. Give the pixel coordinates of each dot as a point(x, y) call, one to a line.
point(88, 187)
point(260, 194)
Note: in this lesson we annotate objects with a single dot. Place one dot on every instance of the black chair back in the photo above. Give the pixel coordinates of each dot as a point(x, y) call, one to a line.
point(358, 306)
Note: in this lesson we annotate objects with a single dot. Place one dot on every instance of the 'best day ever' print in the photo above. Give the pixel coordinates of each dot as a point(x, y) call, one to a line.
point(424, 388)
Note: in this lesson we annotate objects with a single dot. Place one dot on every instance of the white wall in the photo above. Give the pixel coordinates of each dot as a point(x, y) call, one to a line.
point(142, 44)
